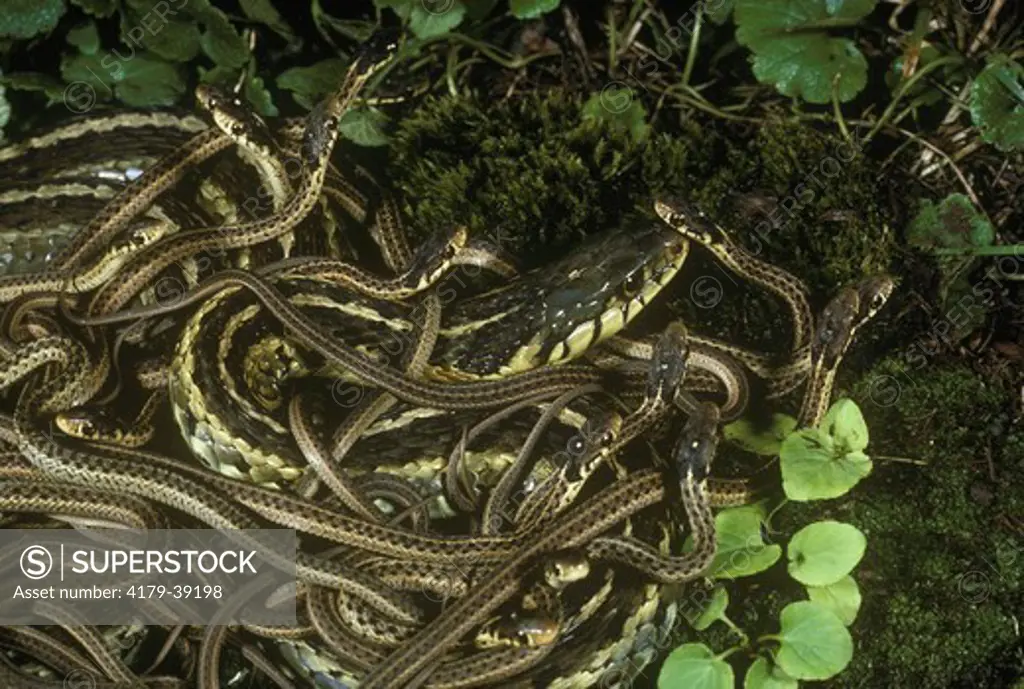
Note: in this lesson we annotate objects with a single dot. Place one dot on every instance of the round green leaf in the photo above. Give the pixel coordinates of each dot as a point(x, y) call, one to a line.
point(435, 17)
point(953, 223)
point(257, 94)
point(758, 440)
point(28, 18)
point(531, 9)
point(142, 81)
point(694, 666)
point(716, 606)
point(815, 467)
point(842, 598)
point(814, 642)
point(308, 84)
point(175, 40)
point(997, 103)
point(149, 82)
point(33, 81)
point(822, 553)
point(220, 41)
point(365, 126)
point(85, 37)
point(428, 18)
point(741, 548)
point(845, 423)
point(263, 11)
point(793, 50)
point(763, 675)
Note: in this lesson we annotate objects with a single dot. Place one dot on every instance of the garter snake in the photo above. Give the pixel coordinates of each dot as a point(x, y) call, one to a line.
point(839, 321)
point(837, 325)
point(695, 225)
point(592, 517)
point(320, 135)
point(547, 316)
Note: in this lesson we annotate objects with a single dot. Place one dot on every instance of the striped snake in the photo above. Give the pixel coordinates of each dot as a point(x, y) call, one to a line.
point(492, 350)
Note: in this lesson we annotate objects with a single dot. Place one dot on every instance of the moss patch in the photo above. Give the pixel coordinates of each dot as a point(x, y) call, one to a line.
point(536, 176)
point(534, 172)
point(942, 576)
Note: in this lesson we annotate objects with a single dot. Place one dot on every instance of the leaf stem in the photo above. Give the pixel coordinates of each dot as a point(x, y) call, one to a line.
point(691, 53)
point(902, 90)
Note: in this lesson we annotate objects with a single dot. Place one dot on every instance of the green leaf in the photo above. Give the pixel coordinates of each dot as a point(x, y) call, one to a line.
point(718, 11)
point(309, 84)
point(365, 126)
point(220, 41)
point(427, 18)
point(758, 440)
point(531, 9)
point(140, 82)
point(149, 83)
point(28, 18)
point(619, 109)
point(793, 50)
point(255, 91)
point(816, 467)
point(741, 548)
point(952, 224)
point(997, 103)
point(85, 37)
point(814, 642)
point(822, 553)
point(97, 8)
point(264, 12)
point(842, 598)
point(694, 666)
point(845, 423)
point(173, 39)
point(33, 81)
point(716, 607)
point(763, 675)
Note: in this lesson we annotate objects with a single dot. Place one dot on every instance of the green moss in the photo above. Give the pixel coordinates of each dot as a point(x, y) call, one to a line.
point(535, 177)
point(531, 174)
point(942, 580)
point(942, 576)
point(534, 174)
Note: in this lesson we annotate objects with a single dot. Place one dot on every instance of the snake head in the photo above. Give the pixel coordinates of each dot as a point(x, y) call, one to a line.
point(689, 220)
point(90, 423)
point(668, 364)
point(566, 568)
point(698, 443)
point(585, 448)
point(376, 52)
point(873, 293)
point(853, 306)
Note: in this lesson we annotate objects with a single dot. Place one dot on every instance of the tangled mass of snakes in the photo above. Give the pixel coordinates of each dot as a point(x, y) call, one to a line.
point(490, 478)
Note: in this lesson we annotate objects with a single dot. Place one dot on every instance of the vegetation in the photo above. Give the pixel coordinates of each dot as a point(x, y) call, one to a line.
point(835, 139)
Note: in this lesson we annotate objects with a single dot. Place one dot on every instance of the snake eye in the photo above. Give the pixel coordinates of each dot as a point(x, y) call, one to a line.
point(576, 445)
point(238, 129)
point(633, 284)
